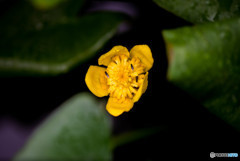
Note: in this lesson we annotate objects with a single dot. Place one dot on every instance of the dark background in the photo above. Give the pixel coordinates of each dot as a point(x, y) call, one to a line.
point(189, 131)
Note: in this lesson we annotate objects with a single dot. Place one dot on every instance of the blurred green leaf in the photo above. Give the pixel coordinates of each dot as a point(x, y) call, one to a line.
point(204, 60)
point(36, 42)
point(78, 130)
point(201, 11)
point(22, 17)
point(57, 49)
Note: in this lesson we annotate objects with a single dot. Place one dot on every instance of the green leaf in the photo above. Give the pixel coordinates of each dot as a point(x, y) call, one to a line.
point(57, 49)
point(201, 11)
point(23, 17)
point(36, 42)
point(78, 130)
point(204, 60)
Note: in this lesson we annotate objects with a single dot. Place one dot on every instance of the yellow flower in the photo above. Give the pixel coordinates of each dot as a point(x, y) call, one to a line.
point(125, 79)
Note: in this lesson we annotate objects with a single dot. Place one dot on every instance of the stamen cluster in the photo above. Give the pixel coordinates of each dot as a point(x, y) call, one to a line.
point(124, 77)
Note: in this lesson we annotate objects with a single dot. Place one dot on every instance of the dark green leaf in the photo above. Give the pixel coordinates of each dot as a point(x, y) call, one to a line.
point(51, 42)
point(78, 130)
point(57, 49)
point(23, 17)
point(201, 11)
point(205, 61)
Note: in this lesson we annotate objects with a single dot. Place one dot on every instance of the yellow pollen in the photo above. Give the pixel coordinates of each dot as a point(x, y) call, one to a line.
point(124, 77)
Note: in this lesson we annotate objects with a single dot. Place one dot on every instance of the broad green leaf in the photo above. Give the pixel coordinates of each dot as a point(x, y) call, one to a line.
point(51, 42)
point(23, 17)
point(57, 49)
point(201, 11)
point(78, 130)
point(204, 60)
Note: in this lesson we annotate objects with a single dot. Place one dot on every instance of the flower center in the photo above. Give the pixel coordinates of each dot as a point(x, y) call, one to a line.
point(124, 77)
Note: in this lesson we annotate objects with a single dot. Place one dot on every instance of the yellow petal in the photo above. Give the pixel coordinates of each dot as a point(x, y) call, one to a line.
point(96, 81)
point(105, 59)
point(143, 52)
point(115, 108)
point(141, 89)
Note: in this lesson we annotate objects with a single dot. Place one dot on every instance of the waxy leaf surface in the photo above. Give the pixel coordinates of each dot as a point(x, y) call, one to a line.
point(78, 130)
point(204, 60)
point(202, 11)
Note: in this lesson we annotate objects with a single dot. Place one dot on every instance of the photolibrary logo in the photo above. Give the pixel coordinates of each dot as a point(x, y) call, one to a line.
point(213, 155)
